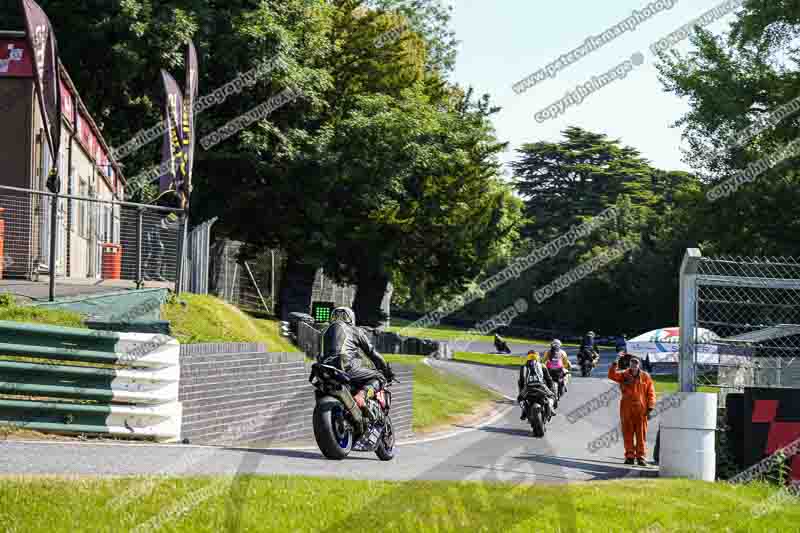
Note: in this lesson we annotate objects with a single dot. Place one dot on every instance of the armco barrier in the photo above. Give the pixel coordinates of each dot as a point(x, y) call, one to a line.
point(240, 394)
point(117, 384)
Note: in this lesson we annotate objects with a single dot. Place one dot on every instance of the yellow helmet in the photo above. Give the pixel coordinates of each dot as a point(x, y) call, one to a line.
point(533, 356)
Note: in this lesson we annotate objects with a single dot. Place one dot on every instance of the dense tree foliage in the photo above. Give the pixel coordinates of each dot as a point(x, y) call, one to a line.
point(382, 170)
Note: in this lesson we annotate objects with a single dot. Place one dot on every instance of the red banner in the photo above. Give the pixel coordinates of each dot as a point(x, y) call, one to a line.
point(15, 59)
point(67, 107)
point(84, 132)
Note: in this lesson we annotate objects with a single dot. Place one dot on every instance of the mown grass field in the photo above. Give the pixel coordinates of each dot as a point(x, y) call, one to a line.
point(301, 504)
point(451, 333)
point(667, 384)
point(441, 398)
point(510, 361)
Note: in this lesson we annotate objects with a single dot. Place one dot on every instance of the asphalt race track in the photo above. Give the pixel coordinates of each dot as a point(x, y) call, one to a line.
point(501, 450)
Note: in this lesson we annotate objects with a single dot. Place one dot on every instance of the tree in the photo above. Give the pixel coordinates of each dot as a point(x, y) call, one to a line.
point(417, 195)
point(580, 176)
point(735, 82)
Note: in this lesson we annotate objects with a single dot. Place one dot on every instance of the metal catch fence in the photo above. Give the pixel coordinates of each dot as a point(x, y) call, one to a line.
point(95, 238)
point(251, 286)
point(741, 319)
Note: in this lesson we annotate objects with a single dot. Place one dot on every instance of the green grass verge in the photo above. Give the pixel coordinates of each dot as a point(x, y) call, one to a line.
point(669, 383)
point(210, 319)
point(449, 333)
point(441, 398)
point(39, 315)
point(511, 361)
point(282, 503)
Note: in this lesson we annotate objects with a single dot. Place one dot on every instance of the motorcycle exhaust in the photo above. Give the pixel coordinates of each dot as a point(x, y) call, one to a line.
point(344, 396)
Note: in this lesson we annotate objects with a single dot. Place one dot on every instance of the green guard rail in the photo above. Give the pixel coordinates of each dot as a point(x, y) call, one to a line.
point(50, 381)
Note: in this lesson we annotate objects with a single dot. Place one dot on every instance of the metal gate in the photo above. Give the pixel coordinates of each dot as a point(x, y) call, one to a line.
point(740, 322)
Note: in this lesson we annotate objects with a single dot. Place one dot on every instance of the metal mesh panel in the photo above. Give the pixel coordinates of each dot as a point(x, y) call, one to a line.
point(20, 215)
point(148, 237)
point(247, 285)
point(751, 306)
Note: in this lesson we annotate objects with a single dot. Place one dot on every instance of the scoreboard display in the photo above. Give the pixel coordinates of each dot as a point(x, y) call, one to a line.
point(321, 311)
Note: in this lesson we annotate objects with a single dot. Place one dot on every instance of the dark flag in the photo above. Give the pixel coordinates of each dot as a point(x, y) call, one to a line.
point(42, 41)
point(190, 97)
point(173, 163)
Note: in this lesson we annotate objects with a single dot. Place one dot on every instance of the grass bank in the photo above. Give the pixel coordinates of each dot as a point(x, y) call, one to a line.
point(199, 318)
point(193, 318)
point(441, 398)
point(281, 504)
point(40, 315)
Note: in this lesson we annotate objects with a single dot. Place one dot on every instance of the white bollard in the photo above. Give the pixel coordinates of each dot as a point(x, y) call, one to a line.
point(688, 436)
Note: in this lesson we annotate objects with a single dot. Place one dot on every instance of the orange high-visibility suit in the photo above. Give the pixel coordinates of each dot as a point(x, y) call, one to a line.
point(638, 396)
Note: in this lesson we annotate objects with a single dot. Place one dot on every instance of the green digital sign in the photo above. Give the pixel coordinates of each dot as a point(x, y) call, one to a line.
point(321, 311)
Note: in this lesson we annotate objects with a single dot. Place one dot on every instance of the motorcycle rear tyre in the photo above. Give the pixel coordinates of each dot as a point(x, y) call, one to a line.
point(537, 424)
point(329, 415)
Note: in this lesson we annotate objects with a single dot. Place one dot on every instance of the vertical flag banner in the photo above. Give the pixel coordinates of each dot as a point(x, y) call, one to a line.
point(189, 100)
point(173, 163)
point(42, 41)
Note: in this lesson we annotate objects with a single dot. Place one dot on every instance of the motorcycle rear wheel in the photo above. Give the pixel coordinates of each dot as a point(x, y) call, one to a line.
point(537, 424)
point(333, 433)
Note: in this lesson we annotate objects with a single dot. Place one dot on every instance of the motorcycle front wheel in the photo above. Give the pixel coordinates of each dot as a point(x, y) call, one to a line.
point(385, 449)
point(332, 431)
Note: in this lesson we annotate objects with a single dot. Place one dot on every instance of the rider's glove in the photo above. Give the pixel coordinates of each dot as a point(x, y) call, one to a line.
point(388, 373)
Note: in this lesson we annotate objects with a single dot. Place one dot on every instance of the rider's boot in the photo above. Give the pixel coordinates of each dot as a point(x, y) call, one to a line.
point(524, 407)
point(361, 399)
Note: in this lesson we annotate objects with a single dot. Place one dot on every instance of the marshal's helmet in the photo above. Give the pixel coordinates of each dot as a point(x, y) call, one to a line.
point(343, 314)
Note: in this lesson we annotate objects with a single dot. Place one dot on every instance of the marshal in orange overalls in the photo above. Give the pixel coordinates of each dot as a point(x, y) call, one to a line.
point(638, 395)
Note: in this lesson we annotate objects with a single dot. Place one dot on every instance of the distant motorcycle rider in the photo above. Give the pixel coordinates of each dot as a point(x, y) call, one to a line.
point(342, 344)
point(555, 352)
point(533, 376)
point(556, 359)
point(500, 344)
point(588, 348)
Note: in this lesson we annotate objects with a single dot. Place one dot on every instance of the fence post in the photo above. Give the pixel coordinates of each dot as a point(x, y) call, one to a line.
point(181, 252)
point(53, 229)
point(272, 286)
point(139, 243)
point(688, 318)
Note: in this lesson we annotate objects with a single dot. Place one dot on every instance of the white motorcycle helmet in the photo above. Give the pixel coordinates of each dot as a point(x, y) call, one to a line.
point(343, 314)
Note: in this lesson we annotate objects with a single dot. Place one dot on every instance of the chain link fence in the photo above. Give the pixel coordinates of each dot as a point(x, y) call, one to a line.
point(255, 285)
point(742, 316)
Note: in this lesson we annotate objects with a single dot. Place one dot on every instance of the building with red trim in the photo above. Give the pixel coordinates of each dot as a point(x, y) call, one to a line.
point(86, 171)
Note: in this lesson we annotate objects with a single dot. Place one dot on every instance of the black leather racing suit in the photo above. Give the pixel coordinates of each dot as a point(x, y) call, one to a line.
point(342, 345)
point(533, 376)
